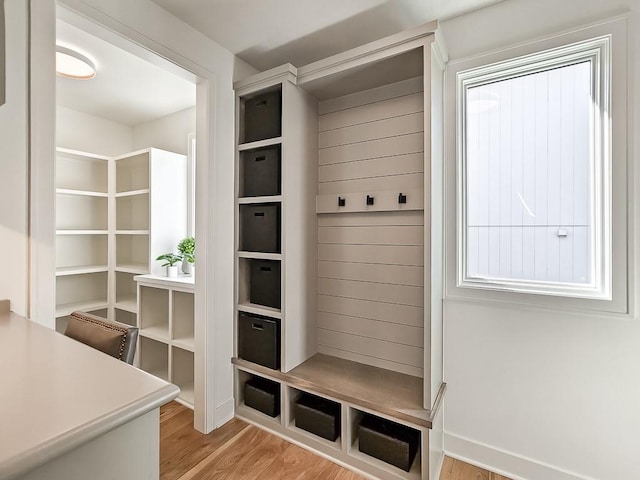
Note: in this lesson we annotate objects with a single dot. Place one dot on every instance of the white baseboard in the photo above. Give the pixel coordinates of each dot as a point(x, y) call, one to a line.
point(224, 412)
point(502, 462)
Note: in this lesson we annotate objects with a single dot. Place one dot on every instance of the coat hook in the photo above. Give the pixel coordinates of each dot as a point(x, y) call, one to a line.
point(342, 201)
point(369, 200)
point(402, 198)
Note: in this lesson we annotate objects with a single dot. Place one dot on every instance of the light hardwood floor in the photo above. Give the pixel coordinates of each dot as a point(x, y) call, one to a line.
point(238, 450)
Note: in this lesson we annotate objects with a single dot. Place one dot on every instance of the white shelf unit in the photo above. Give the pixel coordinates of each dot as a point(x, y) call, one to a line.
point(114, 216)
point(82, 260)
point(166, 321)
point(361, 280)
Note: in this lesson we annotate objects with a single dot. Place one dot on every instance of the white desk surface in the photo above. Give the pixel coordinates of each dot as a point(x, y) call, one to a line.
point(58, 394)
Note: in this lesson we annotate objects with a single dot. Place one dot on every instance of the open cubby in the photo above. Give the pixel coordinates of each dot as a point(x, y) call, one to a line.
point(82, 172)
point(260, 396)
point(154, 312)
point(259, 287)
point(154, 357)
point(80, 251)
point(183, 317)
point(316, 416)
point(125, 316)
point(132, 173)
point(132, 212)
point(182, 373)
point(259, 340)
point(126, 292)
point(81, 212)
point(261, 115)
point(132, 251)
point(389, 445)
point(260, 172)
point(81, 292)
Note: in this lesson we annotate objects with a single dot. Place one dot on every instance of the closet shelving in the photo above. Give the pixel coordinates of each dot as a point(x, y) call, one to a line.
point(114, 216)
point(81, 232)
point(360, 200)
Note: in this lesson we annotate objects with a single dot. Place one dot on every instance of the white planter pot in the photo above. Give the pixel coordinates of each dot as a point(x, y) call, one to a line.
point(187, 268)
point(172, 271)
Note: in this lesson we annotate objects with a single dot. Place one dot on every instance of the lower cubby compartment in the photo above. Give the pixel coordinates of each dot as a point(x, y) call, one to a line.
point(385, 443)
point(154, 357)
point(260, 395)
point(124, 316)
point(316, 415)
point(182, 373)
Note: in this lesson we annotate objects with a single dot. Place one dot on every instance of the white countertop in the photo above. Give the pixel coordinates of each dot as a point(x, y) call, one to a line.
point(58, 394)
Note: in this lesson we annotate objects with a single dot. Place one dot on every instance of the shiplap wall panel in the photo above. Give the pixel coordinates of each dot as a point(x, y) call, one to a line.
point(528, 174)
point(372, 235)
point(369, 272)
point(371, 218)
point(371, 112)
point(389, 127)
point(376, 167)
point(385, 254)
point(371, 360)
point(391, 150)
point(386, 312)
point(378, 292)
point(385, 92)
point(370, 264)
point(371, 347)
point(400, 182)
point(365, 327)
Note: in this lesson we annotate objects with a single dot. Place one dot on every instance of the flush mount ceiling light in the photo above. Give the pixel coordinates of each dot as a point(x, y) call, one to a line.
point(72, 64)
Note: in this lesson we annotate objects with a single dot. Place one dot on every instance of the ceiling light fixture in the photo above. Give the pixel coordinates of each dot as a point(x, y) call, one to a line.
point(72, 64)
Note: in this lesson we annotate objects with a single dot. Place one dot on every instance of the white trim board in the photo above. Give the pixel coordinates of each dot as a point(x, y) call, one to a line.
point(516, 467)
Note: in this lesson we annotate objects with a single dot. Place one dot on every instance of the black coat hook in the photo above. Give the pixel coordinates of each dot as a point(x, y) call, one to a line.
point(402, 198)
point(342, 201)
point(369, 200)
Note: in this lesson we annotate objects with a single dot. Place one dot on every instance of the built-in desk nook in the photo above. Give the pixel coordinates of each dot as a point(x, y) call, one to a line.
point(339, 254)
point(68, 411)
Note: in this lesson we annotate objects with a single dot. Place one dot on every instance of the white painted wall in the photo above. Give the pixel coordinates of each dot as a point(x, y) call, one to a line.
point(168, 133)
point(544, 394)
point(13, 160)
point(88, 133)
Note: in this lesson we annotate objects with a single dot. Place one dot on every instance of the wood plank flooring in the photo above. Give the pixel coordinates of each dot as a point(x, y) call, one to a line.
point(238, 450)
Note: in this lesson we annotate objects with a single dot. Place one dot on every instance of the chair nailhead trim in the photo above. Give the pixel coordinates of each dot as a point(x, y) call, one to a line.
point(110, 326)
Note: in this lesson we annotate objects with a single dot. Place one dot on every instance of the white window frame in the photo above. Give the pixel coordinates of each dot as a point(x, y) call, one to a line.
point(615, 292)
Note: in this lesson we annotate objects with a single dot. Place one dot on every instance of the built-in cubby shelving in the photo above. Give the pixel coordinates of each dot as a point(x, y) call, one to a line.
point(347, 158)
point(114, 216)
point(167, 317)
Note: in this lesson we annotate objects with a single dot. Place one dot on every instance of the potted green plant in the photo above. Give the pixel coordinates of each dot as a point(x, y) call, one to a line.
point(170, 259)
point(187, 248)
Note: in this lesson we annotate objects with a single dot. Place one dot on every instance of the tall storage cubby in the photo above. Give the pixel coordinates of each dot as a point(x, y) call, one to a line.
point(166, 344)
point(82, 232)
point(275, 235)
point(149, 200)
point(344, 225)
point(114, 216)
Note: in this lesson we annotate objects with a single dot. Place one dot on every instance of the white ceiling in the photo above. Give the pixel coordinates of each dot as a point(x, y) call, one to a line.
point(126, 88)
point(264, 33)
point(268, 33)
